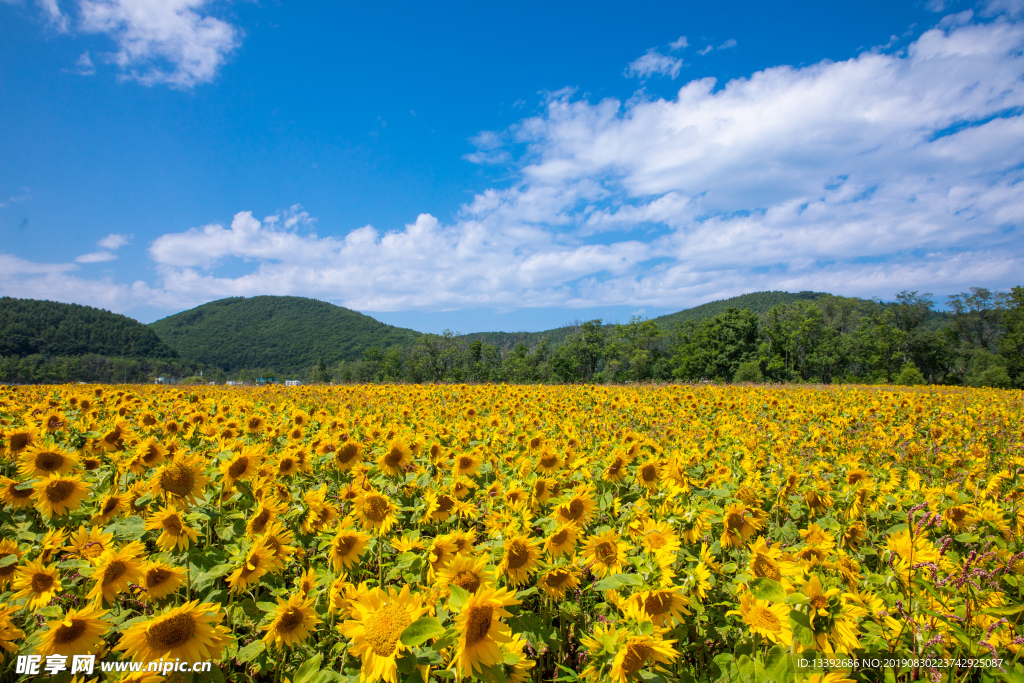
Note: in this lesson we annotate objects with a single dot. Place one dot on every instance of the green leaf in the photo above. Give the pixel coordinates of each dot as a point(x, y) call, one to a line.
point(768, 589)
point(459, 596)
point(1003, 611)
point(448, 639)
point(307, 670)
point(420, 631)
point(618, 581)
point(250, 651)
point(801, 626)
point(779, 665)
point(8, 560)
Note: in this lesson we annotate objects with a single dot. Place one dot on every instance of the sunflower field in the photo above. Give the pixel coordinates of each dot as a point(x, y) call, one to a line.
point(512, 533)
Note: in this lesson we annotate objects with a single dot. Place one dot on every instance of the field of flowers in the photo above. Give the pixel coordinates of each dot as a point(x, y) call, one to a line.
point(508, 533)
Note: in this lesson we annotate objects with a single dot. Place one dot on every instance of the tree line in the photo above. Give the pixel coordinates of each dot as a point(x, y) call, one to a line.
point(977, 341)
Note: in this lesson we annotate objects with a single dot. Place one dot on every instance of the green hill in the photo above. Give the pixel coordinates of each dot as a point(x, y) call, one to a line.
point(31, 327)
point(286, 334)
point(757, 302)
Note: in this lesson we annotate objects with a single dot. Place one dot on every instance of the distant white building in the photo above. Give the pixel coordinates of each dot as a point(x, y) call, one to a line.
point(292, 382)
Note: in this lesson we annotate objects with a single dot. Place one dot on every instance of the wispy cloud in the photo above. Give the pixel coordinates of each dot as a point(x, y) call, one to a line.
point(654, 63)
point(84, 65)
point(679, 44)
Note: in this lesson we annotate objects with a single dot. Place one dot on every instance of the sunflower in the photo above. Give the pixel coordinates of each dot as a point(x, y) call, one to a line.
point(58, 494)
point(9, 633)
point(375, 511)
point(294, 622)
point(766, 619)
point(542, 490)
point(347, 455)
point(279, 539)
point(834, 629)
point(191, 632)
point(547, 462)
point(555, 582)
point(307, 582)
point(514, 660)
point(468, 573)
point(481, 631)
point(111, 505)
point(266, 512)
point(577, 510)
point(766, 562)
point(522, 554)
point(257, 562)
point(41, 461)
point(80, 632)
point(52, 543)
point(241, 466)
point(649, 474)
point(693, 524)
point(181, 479)
point(38, 583)
point(738, 525)
point(562, 542)
point(659, 537)
point(115, 571)
point(440, 506)
point(159, 580)
point(347, 546)
point(21, 439)
point(638, 651)
point(397, 455)
point(465, 465)
point(661, 606)
point(604, 553)
point(12, 495)
point(114, 439)
point(174, 532)
point(150, 452)
point(378, 619)
point(89, 544)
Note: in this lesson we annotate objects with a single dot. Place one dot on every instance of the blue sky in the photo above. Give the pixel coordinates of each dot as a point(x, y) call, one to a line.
point(515, 167)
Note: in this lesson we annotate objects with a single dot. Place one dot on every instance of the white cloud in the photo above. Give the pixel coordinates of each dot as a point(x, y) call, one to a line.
point(727, 44)
point(96, 257)
point(113, 241)
point(54, 15)
point(679, 44)
point(654, 63)
point(84, 65)
point(162, 41)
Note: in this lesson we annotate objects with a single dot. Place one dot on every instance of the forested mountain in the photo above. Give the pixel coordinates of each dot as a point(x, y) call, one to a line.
point(288, 335)
point(31, 327)
point(755, 302)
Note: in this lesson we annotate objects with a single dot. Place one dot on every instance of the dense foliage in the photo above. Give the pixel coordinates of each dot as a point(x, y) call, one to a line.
point(511, 533)
point(282, 334)
point(824, 338)
point(46, 328)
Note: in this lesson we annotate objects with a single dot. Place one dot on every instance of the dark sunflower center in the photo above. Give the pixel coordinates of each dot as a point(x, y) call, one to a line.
point(467, 580)
point(557, 578)
point(479, 624)
point(518, 555)
point(172, 632)
point(18, 493)
point(576, 510)
point(290, 620)
point(48, 461)
point(384, 628)
point(346, 453)
point(465, 463)
point(765, 567)
point(178, 479)
point(69, 634)
point(636, 657)
point(259, 522)
point(111, 505)
point(444, 503)
point(238, 467)
point(605, 552)
point(657, 604)
point(172, 524)
point(560, 537)
point(156, 576)
point(649, 472)
point(59, 491)
point(41, 582)
point(114, 571)
point(18, 441)
point(343, 546)
point(394, 458)
point(376, 508)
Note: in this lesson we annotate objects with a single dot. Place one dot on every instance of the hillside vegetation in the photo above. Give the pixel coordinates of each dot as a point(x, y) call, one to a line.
point(30, 327)
point(284, 334)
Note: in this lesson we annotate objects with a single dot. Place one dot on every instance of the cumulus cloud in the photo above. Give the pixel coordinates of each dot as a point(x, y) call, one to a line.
point(54, 15)
point(654, 63)
point(84, 65)
point(96, 257)
point(113, 241)
point(162, 41)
